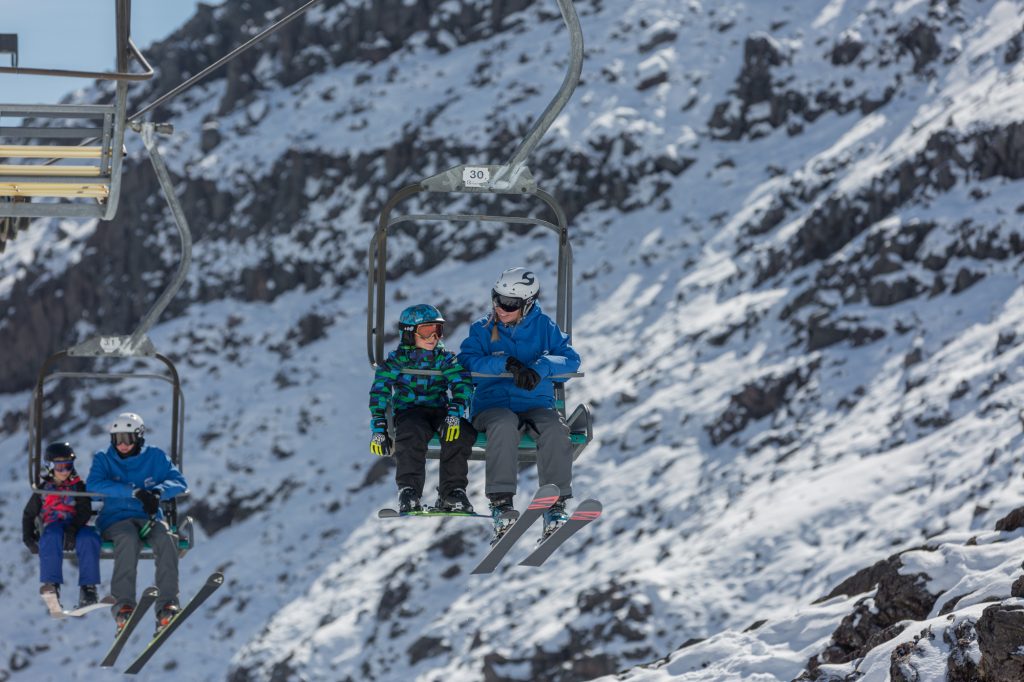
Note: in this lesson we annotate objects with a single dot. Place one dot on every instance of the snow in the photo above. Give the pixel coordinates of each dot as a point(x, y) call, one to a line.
point(855, 465)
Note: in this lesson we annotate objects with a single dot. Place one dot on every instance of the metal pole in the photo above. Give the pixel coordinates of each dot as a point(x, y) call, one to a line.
point(148, 132)
point(572, 79)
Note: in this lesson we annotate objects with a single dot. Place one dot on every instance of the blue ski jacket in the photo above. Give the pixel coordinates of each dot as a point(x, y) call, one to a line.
point(117, 478)
point(536, 341)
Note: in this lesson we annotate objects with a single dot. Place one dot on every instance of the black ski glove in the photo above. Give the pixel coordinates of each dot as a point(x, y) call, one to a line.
point(31, 543)
point(150, 500)
point(524, 377)
point(70, 535)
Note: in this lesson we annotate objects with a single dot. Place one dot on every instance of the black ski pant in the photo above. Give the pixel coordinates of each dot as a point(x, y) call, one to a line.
point(413, 428)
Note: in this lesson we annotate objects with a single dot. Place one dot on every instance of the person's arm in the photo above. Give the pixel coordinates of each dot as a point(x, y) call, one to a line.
point(173, 482)
point(560, 357)
point(459, 383)
point(475, 352)
point(28, 516)
point(100, 481)
point(83, 508)
point(380, 390)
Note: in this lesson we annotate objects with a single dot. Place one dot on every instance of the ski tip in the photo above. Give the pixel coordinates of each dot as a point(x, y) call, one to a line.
point(151, 592)
point(548, 490)
point(216, 578)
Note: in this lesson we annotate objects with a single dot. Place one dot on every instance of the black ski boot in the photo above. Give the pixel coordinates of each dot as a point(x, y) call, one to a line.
point(408, 501)
point(87, 595)
point(502, 514)
point(165, 615)
point(455, 501)
point(555, 517)
point(121, 616)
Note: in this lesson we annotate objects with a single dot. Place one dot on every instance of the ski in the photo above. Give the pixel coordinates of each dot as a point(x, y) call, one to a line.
point(80, 611)
point(212, 583)
point(429, 512)
point(148, 597)
point(585, 512)
point(545, 497)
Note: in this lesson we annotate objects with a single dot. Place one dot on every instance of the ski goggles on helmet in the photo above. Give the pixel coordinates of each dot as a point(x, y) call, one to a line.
point(430, 330)
point(123, 438)
point(509, 304)
point(62, 466)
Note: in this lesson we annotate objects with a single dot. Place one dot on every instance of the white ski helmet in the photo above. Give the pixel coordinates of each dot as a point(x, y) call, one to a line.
point(128, 422)
point(516, 288)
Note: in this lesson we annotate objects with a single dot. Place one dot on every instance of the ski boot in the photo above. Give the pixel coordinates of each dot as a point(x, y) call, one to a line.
point(50, 588)
point(87, 595)
point(554, 518)
point(164, 615)
point(408, 501)
point(122, 615)
point(503, 514)
point(455, 501)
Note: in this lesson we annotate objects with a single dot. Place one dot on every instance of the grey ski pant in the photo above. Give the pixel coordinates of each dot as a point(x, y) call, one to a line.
point(128, 546)
point(554, 449)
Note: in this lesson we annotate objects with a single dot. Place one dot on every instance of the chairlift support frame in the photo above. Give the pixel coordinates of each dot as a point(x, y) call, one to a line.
point(511, 178)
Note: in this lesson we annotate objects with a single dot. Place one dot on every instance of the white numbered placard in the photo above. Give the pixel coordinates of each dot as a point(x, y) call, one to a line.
point(476, 176)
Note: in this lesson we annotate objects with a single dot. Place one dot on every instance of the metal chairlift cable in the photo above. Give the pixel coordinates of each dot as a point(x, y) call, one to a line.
point(224, 60)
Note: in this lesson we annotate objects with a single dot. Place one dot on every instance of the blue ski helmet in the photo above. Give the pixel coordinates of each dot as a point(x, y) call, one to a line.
point(414, 316)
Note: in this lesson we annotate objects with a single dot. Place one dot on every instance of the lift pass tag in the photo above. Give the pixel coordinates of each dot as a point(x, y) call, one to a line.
point(476, 176)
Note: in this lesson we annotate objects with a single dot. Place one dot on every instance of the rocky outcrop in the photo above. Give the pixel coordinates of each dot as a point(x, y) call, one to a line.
point(1000, 638)
point(877, 618)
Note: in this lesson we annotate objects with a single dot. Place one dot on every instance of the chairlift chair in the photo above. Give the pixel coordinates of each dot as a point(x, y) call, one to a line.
point(71, 165)
point(509, 179)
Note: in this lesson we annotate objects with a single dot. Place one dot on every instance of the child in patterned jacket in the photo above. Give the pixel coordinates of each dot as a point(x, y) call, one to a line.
point(64, 519)
point(422, 407)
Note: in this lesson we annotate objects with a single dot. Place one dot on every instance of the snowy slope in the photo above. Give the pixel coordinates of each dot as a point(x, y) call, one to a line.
point(798, 302)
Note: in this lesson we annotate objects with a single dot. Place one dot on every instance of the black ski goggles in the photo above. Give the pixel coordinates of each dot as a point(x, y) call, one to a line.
point(430, 330)
point(509, 304)
point(123, 438)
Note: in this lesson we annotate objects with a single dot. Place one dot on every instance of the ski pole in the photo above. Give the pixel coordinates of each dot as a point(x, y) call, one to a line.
point(147, 527)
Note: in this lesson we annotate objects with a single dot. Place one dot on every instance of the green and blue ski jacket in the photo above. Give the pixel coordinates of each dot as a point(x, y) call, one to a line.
point(403, 390)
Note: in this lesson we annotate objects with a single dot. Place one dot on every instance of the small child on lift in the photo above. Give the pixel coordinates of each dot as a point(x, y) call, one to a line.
point(64, 520)
point(422, 407)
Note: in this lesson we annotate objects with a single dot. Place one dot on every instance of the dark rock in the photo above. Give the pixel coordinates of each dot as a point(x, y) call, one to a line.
point(960, 665)
point(921, 41)
point(846, 49)
point(427, 647)
point(757, 400)
point(1012, 521)
point(878, 618)
point(1000, 638)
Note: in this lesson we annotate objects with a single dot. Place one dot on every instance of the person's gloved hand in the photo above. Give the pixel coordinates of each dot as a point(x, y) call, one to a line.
point(31, 543)
point(70, 534)
point(150, 500)
point(524, 377)
point(380, 441)
point(452, 427)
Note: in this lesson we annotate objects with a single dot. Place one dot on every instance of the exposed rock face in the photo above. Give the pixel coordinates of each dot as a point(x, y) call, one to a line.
point(875, 619)
point(1000, 638)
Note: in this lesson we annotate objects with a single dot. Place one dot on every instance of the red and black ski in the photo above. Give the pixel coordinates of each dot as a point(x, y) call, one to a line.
point(545, 497)
point(585, 512)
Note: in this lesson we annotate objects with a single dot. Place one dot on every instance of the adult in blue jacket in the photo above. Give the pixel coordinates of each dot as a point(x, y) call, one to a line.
point(133, 477)
point(517, 337)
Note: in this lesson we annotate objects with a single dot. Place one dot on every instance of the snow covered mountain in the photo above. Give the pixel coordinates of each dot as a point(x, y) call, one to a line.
point(798, 258)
